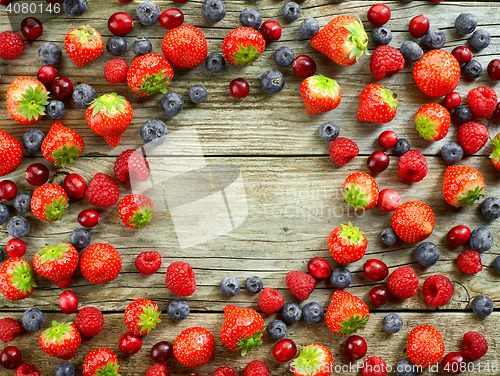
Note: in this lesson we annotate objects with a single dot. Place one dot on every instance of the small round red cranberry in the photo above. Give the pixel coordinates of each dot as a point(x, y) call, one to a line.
point(161, 351)
point(375, 270)
point(463, 54)
point(379, 295)
point(180, 1)
point(68, 302)
point(10, 357)
point(284, 350)
point(130, 343)
point(494, 69)
point(452, 100)
point(270, 30)
point(419, 26)
point(458, 235)
point(171, 18)
point(8, 190)
point(36, 174)
point(388, 200)
point(387, 139)
point(62, 87)
point(88, 218)
point(454, 363)
point(378, 161)
point(304, 66)
point(15, 248)
point(47, 74)
point(120, 23)
point(355, 347)
point(75, 186)
point(239, 88)
point(31, 28)
point(379, 14)
point(319, 268)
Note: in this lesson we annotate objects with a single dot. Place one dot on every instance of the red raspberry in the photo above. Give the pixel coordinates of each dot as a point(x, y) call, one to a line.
point(482, 101)
point(225, 371)
point(270, 301)
point(472, 137)
point(89, 321)
point(374, 366)
point(300, 284)
point(158, 369)
point(148, 263)
point(115, 71)
point(386, 60)
point(470, 262)
point(474, 345)
point(26, 369)
point(256, 368)
point(131, 164)
point(102, 191)
point(180, 278)
point(403, 282)
point(9, 329)
point(438, 290)
point(342, 150)
point(412, 166)
point(11, 45)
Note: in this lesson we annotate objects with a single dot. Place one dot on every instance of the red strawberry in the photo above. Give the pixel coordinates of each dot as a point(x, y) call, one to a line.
point(180, 278)
point(61, 340)
point(136, 211)
point(17, 278)
point(115, 71)
point(270, 301)
point(102, 191)
point(184, 46)
point(343, 40)
point(342, 150)
point(301, 284)
point(377, 104)
point(482, 101)
point(142, 316)
point(242, 329)
point(11, 45)
point(320, 94)
point(256, 368)
point(313, 360)
point(194, 347)
point(101, 362)
point(83, 45)
point(11, 153)
point(56, 263)
point(62, 145)
point(433, 121)
point(425, 346)
point(100, 263)
point(243, 46)
point(149, 75)
point(49, 202)
point(437, 73)
point(386, 60)
point(472, 137)
point(462, 185)
point(403, 282)
point(109, 116)
point(9, 329)
point(361, 191)
point(131, 164)
point(347, 244)
point(413, 221)
point(495, 151)
point(26, 369)
point(26, 100)
point(346, 313)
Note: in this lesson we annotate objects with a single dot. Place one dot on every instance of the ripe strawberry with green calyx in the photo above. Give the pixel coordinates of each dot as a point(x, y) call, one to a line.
point(26, 100)
point(142, 316)
point(413, 221)
point(361, 191)
point(17, 278)
point(61, 340)
point(346, 313)
point(495, 151)
point(433, 121)
point(56, 263)
point(377, 104)
point(11, 153)
point(49, 202)
point(313, 360)
point(347, 244)
point(101, 362)
point(149, 75)
point(320, 94)
point(425, 346)
point(462, 185)
point(136, 211)
point(83, 45)
point(62, 145)
point(242, 329)
point(243, 46)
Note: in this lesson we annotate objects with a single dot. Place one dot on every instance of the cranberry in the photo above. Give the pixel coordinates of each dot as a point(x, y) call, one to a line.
point(126, 1)
point(454, 363)
point(452, 100)
point(494, 69)
point(458, 235)
point(171, 18)
point(10, 357)
point(319, 268)
point(270, 30)
point(355, 347)
point(180, 1)
point(31, 28)
point(387, 139)
point(8, 190)
point(5, 2)
point(496, 113)
point(161, 352)
point(62, 88)
point(379, 14)
point(68, 302)
point(462, 54)
point(36, 174)
point(375, 270)
point(303, 66)
point(379, 295)
point(284, 350)
point(88, 218)
point(46, 74)
point(15, 248)
point(378, 161)
point(120, 23)
point(388, 200)
point(419, 26)
point(130, 343)
point(75, 186)
point(239, 88)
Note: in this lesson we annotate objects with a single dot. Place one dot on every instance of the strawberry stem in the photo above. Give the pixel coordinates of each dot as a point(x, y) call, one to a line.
point(56, 252)
point(84, 34)
point(109, 102)
point(33, 103)
point(352, 325)
point(23, 277)
point(155, 83)
point(111, 369)
point(253, 342)
point(425, 127)
point(350, 232)
point(149, 318)
point(246, 55)
point(309, 360)
point(56, 209)
point(66, 155)
point(470, 196)
point(358, 39)
point(141, 218)
point(57, 331)
point(355, 197)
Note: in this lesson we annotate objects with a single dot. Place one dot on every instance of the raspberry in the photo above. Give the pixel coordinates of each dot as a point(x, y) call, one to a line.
point(470, 262)
point(225, 371)
point(403, 282)
point(474, 345)
point(131, 164)
point(342, 150)
point(300, 284)
point(412, 166)
point(115, 71)
point(9, 329)
point(386, 60)
point(26, 369)
point(270, 301)
point(437, 290)
point(482, 101)
point(158, 369)
point(102, 191)
point(374, 366)
point(472, 136)
point(11, 45)
point(180, 279)
point(256, 368)
point(148, 263)
point(89, 321)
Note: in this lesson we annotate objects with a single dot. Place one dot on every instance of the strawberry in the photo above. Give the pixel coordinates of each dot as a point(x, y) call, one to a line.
point(136, 211)
point(462, 185)
point(11, 153)
point(17, 278)
point(472, 137)
point(56, 263)
point(102, 191)
point(49, 202)
point(26, 100)
point(61, 340)
point(243, 46)
point(313, 360)
point(101, 362)
point(437, 73)
point(361, 191)
point(347, 244)
point(242, 329)
point(100, 263)
point(83, 45)
point(301, 284)
point(194, 347)
point(115, 71)
point(149, 75)
point(433, 121)
point(109, 116)
point(62, 145)
point(425, 346)
point(131, 164)
point(142, 316)
point(180, 278)
point(343, 40)
point(495, 151)
point(377, 104)
point(320, 94)
point(184, 46)
point(346, 313)
point(413, 221)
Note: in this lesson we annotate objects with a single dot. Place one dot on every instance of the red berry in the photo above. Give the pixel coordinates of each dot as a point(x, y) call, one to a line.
point(388, 200)
point(131, 165)
point(378, 161)
point(181, 1)
point(225, 371)
point(62, 88)
point(437, 290)
point(458, 235)
point(148, 263)
point(419, 26)
point(270, 300)
point(474, 345)
point(452, 100)
point(374, 366)
point(494, 69)
point(319, 268)
point(482, 101)
point(403, 282)
point(342, 150)
point(89, 321)
point(379, 14)
point(285, 350)
point(180, 278)
point(127, 1)
point(355, 347)
point(375, 270)
point(171, 18)
point(9, 329)
point(469, 262)
point(158, 369)
point(412, 166)
point(130, 343)
point(161, 351)
point(10, 357)
point(270, 30)
point(386, 60)
point(68, 302)
point(472, 136)
point(115, 71)
point(102, 191)
point(36, 174)
point(379, 295)
point(120, 23)
point(11, 45)
point(304, 66)
point(8, 190)
point(88, 218)
point(463, 54)
point(454, 363)
point(31, 28)
point(75, 186)
point(239, 88)
point(15, 248)
point(387, 139)
point(5, 2)
point(46, 74)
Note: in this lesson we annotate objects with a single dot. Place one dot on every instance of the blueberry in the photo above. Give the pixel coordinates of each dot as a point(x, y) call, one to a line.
point(481, 239)
point(480, 39)
point(329, 131)
point(18, 227)
point(83, 95)
point(490, 208)
point(309, 28)
point(215, 63)
point(392, 323)
point(22, 202)
point(142, 46)
point(250, 17)
point(178, 309)
point(33, 319)
point(291, 11)
point(462, 114)
point(213, 10)
point(272, 81)
point(49, 53)
point(283, 56)
point(388, 236)
point(55, 109)
point(482, 306)
point(4, 213)
point(411, 51)
point(230, 286)
point(172, 104)
point(313, 312)
point(75, 8)
point(340, 278)
point(472, 69)
point(381, 35)
point(465, 23)
point(434, 39)
point(291, 312)
point(79, 238)
point(32, 140)
point(427, 253)
point(147, 13)
point(405, 368)
point(154, 132)
point(277, 329)
point(496, 264)
point(198, 93)
point(254, 284)
point(116, 45)
point(452, 152)
point(65, 369)
point(402, 146)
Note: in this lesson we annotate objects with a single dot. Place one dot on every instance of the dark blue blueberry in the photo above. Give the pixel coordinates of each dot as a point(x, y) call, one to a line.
point(142, 46)
point(283, 56)
point(481, 239)
point(496, 264)
point(22, 202)
point(49, 53)
point(411, 51)
point(83, 95)
point(55, 109)
point(480, 39)
point(490, 208)
point(340, 278)
point(482, 306)
point(254, 284)
point(116, 45)
point(32, 140)
point(434, 39)
point(402, 146)
point(405, 368)
point(4, 213)
point(79, 238)
point(452, 152)
point(198, 93)
point(230, 286)
point(291, 312)
point(329, 131)
point(178, 309)
point(427, 253)
point(75, 8)
point(472, 69)
point(313, 312)
point(172, 104)
point(215, 63)
point(147, 13)
point(65, 369)
point(18, 227)
point(250, 17)
point(465, 23)
point(154, 132)
point(381, 35)
point(392, 323)
point(462, 114)
point(277, 329)
point(33, 319)
point(309, 28)
point(291, 11)
point(388, 236)
point(213, 10)
point(272, 81)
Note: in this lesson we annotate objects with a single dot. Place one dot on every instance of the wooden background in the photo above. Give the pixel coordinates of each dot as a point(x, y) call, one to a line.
point(293, 188)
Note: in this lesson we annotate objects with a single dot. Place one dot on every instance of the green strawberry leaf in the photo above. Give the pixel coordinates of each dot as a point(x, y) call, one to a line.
point(66, 155)
point(33, 103)
point(246, 55)
point(495, 147)
point(111, 369)
point(56, 209)
point(470, 197)
point(155, 83)
point(310, 358)
point(57, 331)
point(109, 102)
point(141, 218)
point(326, 85)
point(149, 318)
point(355, 197)
point(84, 34)
point(253, 342)
point(23, 277)
point(425, 127)
point(56, 252)
point(350, 232)
point(352, 325)
point(389, 97)
point(358, 39)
